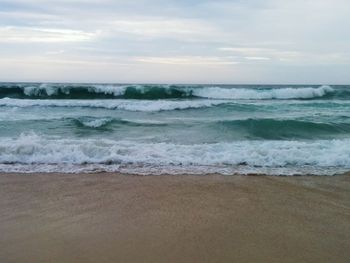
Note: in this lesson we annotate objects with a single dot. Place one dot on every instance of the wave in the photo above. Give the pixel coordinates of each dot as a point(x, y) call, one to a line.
point(263, 94)
point(182, 129)
point(155, 92)
point(89, 122)
point(284, 128)
point(32, 149)
point(268, 129)
point(127, 105)
point(75, 91)
point(93, 123)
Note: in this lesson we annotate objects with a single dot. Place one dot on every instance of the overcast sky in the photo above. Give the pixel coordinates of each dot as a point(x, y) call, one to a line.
point(168, 41)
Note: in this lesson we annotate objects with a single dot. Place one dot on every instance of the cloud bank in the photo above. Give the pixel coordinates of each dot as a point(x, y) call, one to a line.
point(153, 41)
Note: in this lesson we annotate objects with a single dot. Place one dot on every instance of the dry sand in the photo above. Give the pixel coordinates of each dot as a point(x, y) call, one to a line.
point(118, 218)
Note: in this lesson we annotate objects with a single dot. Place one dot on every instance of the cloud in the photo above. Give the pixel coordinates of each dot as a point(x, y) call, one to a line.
point(257, 58)
point(259, 53)
point(32, 34)
point(245, 41)
point(189, 60)
point(162, 27)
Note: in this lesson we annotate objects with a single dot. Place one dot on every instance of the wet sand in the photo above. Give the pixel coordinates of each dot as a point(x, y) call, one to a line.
point(124, 218)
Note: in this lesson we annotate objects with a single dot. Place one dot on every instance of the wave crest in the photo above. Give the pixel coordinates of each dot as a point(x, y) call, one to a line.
point(128, 105)
point(264, 94)
point(94, 123)
point(155, 92)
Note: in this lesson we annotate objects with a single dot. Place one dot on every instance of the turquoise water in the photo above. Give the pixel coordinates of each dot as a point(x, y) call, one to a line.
point(155, 129)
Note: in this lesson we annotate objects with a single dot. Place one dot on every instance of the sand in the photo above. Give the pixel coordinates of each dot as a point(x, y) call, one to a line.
point(125, 218)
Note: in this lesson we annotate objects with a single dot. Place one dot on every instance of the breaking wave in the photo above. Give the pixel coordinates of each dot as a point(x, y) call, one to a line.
point(32, 149)
point(263, 94)
point(155, 92)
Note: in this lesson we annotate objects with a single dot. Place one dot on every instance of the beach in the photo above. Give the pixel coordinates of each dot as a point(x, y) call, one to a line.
point(109, 217)
point(174, 131)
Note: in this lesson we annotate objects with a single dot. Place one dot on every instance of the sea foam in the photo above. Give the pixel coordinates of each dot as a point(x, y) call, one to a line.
point(32, 149)
point(264, 94)
point(128, 105)
point(95, 123)
point(54, 89)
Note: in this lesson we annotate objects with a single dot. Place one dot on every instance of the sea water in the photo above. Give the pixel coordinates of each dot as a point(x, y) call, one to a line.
point(175, 129)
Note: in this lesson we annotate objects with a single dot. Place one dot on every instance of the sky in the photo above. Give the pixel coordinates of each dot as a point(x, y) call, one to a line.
point(168, 41)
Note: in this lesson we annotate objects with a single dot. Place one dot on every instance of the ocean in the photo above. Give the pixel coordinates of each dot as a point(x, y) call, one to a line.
point(175, 129)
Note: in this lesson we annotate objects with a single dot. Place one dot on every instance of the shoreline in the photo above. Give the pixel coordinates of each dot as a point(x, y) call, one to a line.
point(109, 217)
point(114, 173)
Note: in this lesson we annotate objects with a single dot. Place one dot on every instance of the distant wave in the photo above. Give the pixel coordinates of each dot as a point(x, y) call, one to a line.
point(73, 91)
point(262, 94)
point(156, 92)
point(128, 105)
point(32, 149)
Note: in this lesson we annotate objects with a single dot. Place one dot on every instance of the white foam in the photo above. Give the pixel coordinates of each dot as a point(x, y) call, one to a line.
point(31, 149)
point(204, 92)
point(55, 89)
point(128, 105)
point(108, 89)
point(96, 123)
point(263, 94)
point(51, 89)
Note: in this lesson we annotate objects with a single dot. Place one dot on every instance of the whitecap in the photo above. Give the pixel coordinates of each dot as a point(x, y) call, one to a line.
point(32, 149)
point(262, 94)
point(128, 105)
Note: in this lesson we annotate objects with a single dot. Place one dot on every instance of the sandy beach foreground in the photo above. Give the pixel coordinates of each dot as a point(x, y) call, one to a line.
point(124, 218)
